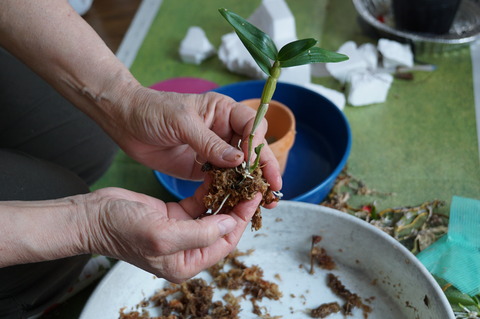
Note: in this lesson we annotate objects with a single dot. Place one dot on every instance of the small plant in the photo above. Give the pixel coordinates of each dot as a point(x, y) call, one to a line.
point(230, 187)
point(270, 60)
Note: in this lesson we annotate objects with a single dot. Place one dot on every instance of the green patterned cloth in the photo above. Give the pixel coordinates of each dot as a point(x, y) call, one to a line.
point(420, 144)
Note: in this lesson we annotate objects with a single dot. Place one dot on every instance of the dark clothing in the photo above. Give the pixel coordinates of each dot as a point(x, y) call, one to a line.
point(48, 150)
point(38, 121)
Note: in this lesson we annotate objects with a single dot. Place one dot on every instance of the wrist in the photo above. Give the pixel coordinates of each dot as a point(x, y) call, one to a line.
point(90, 228)
point(110, 100)
point(134, 114)
point(95, 231)
point(34, 231)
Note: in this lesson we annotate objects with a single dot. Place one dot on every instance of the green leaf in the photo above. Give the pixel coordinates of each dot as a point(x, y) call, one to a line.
point(314, 55)
point(259, 44)
point(295, 48)
point(262, 60)
point(258, 149)
point(456, 297)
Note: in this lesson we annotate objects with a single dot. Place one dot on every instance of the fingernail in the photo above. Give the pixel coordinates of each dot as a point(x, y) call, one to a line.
point(226, 225)
point(231, 154)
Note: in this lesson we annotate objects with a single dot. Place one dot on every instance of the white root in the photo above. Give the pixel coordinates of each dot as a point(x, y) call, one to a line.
point(278, 194)
point(221, 205)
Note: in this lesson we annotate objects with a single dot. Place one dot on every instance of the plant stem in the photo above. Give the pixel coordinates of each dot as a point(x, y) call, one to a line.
point(265, 99)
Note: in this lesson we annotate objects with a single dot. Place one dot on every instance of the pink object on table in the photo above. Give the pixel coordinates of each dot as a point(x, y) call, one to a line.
point(185, 85)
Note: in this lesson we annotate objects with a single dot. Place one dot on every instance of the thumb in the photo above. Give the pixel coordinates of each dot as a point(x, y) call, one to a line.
point(203, 232)
point(210, 147)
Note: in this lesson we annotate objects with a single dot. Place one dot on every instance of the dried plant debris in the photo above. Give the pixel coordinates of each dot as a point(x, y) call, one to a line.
point(319, 255)
point(344, 188)
point(352, 300)
point(231, 185)
point(191, 299)
point(194, 298)
point(325, 310)
point(416, 227)
point(248, 279)
point(471, 312)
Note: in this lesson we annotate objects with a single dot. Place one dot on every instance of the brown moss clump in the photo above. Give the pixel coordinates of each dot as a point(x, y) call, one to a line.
point(319, 254)
point(325, 310)
point(191, 299)
point(230, 186)
point(351, 299)
point(240, 276)
point(249, 279)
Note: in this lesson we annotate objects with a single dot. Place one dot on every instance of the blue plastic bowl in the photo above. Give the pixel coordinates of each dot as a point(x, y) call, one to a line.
point(322, 144)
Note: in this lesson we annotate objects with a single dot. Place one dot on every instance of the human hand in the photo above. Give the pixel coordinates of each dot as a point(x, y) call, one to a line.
point(175, 133)
point(165, 239)
point(163, 130)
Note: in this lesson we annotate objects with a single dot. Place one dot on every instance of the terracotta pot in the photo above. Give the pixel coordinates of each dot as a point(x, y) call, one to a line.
point(281, 129)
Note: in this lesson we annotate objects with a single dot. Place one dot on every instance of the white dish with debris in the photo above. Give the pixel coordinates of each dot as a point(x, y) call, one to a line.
point(369, 263)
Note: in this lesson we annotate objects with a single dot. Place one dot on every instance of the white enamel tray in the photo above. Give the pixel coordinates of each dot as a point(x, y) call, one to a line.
point(369, 263)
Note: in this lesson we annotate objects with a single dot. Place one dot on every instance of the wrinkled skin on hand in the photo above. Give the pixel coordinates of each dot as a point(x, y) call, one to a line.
point(165, 239)
point(177, 133)
point(164, 131)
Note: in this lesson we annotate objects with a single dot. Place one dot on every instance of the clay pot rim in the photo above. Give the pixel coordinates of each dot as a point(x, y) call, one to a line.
point(282, 105)
point(284, 143)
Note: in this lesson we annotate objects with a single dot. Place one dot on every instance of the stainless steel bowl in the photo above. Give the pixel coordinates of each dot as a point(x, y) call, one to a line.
point(378, 15)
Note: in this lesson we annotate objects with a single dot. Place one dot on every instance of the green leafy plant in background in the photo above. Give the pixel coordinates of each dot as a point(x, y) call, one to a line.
point(270, 60)
point(463, 305)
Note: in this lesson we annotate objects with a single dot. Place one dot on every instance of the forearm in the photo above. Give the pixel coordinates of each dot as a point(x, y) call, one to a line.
point(42, 230)
point(60, 46)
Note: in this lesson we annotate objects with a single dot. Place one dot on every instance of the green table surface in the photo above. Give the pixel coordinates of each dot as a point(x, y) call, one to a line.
point(421, 144)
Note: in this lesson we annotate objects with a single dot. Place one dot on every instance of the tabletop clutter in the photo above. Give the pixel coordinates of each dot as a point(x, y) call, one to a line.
point(366, 78)
point(367, 75)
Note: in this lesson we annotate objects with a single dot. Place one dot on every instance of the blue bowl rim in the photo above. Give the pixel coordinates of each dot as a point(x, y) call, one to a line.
point(332, 176)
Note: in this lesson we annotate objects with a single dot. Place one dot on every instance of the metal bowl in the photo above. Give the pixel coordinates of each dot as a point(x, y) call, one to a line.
point(378, 15)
